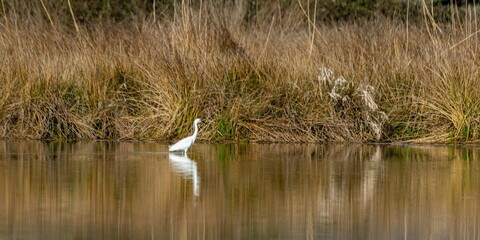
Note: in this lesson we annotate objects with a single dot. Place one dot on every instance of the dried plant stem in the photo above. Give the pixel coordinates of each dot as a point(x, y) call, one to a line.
point(73, 16)
point(48, 14)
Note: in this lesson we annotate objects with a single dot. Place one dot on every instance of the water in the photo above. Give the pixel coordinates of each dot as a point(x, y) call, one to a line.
point(127, 190)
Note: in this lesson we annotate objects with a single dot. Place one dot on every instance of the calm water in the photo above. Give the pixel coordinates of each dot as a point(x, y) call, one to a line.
point(112, 190)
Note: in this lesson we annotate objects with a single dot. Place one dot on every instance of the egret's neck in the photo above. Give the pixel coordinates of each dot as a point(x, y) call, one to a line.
point(196, 129)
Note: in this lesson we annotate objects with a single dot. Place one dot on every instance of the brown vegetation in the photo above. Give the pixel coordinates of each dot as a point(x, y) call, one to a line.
point(256, 79)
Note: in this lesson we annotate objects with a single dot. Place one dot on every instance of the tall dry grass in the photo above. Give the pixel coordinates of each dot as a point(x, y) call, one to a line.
point(256, 80)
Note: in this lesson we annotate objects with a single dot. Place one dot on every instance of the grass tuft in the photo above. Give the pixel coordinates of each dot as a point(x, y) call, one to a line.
point(257, 78)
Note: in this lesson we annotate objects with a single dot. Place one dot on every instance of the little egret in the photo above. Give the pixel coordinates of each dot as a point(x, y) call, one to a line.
point(187, 142)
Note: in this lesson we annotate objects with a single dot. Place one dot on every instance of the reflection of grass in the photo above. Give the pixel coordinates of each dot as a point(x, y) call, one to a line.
point(270, 189)
point(255, 79)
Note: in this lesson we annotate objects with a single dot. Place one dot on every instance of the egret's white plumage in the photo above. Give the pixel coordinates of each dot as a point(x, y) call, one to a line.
point(187, 142)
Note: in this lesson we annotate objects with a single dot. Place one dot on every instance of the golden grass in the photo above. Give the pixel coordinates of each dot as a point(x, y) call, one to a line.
point(256, 81)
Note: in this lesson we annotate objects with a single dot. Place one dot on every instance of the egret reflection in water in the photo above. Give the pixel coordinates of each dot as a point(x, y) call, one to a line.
point(186, 168)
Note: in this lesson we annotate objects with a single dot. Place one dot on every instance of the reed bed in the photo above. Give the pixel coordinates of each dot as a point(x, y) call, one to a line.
point(277, 78)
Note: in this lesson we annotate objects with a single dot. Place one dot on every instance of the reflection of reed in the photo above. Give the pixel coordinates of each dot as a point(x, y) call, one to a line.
point(187, 168)
point(95, 191)
point(80, 191)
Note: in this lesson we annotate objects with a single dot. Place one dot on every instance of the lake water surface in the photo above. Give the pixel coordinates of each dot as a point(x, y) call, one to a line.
point(129, 190)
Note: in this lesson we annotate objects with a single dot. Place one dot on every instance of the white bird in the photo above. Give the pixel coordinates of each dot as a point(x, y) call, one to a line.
point(187, 142)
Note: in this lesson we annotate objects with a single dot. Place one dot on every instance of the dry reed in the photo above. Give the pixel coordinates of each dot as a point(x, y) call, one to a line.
point(255, 80)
